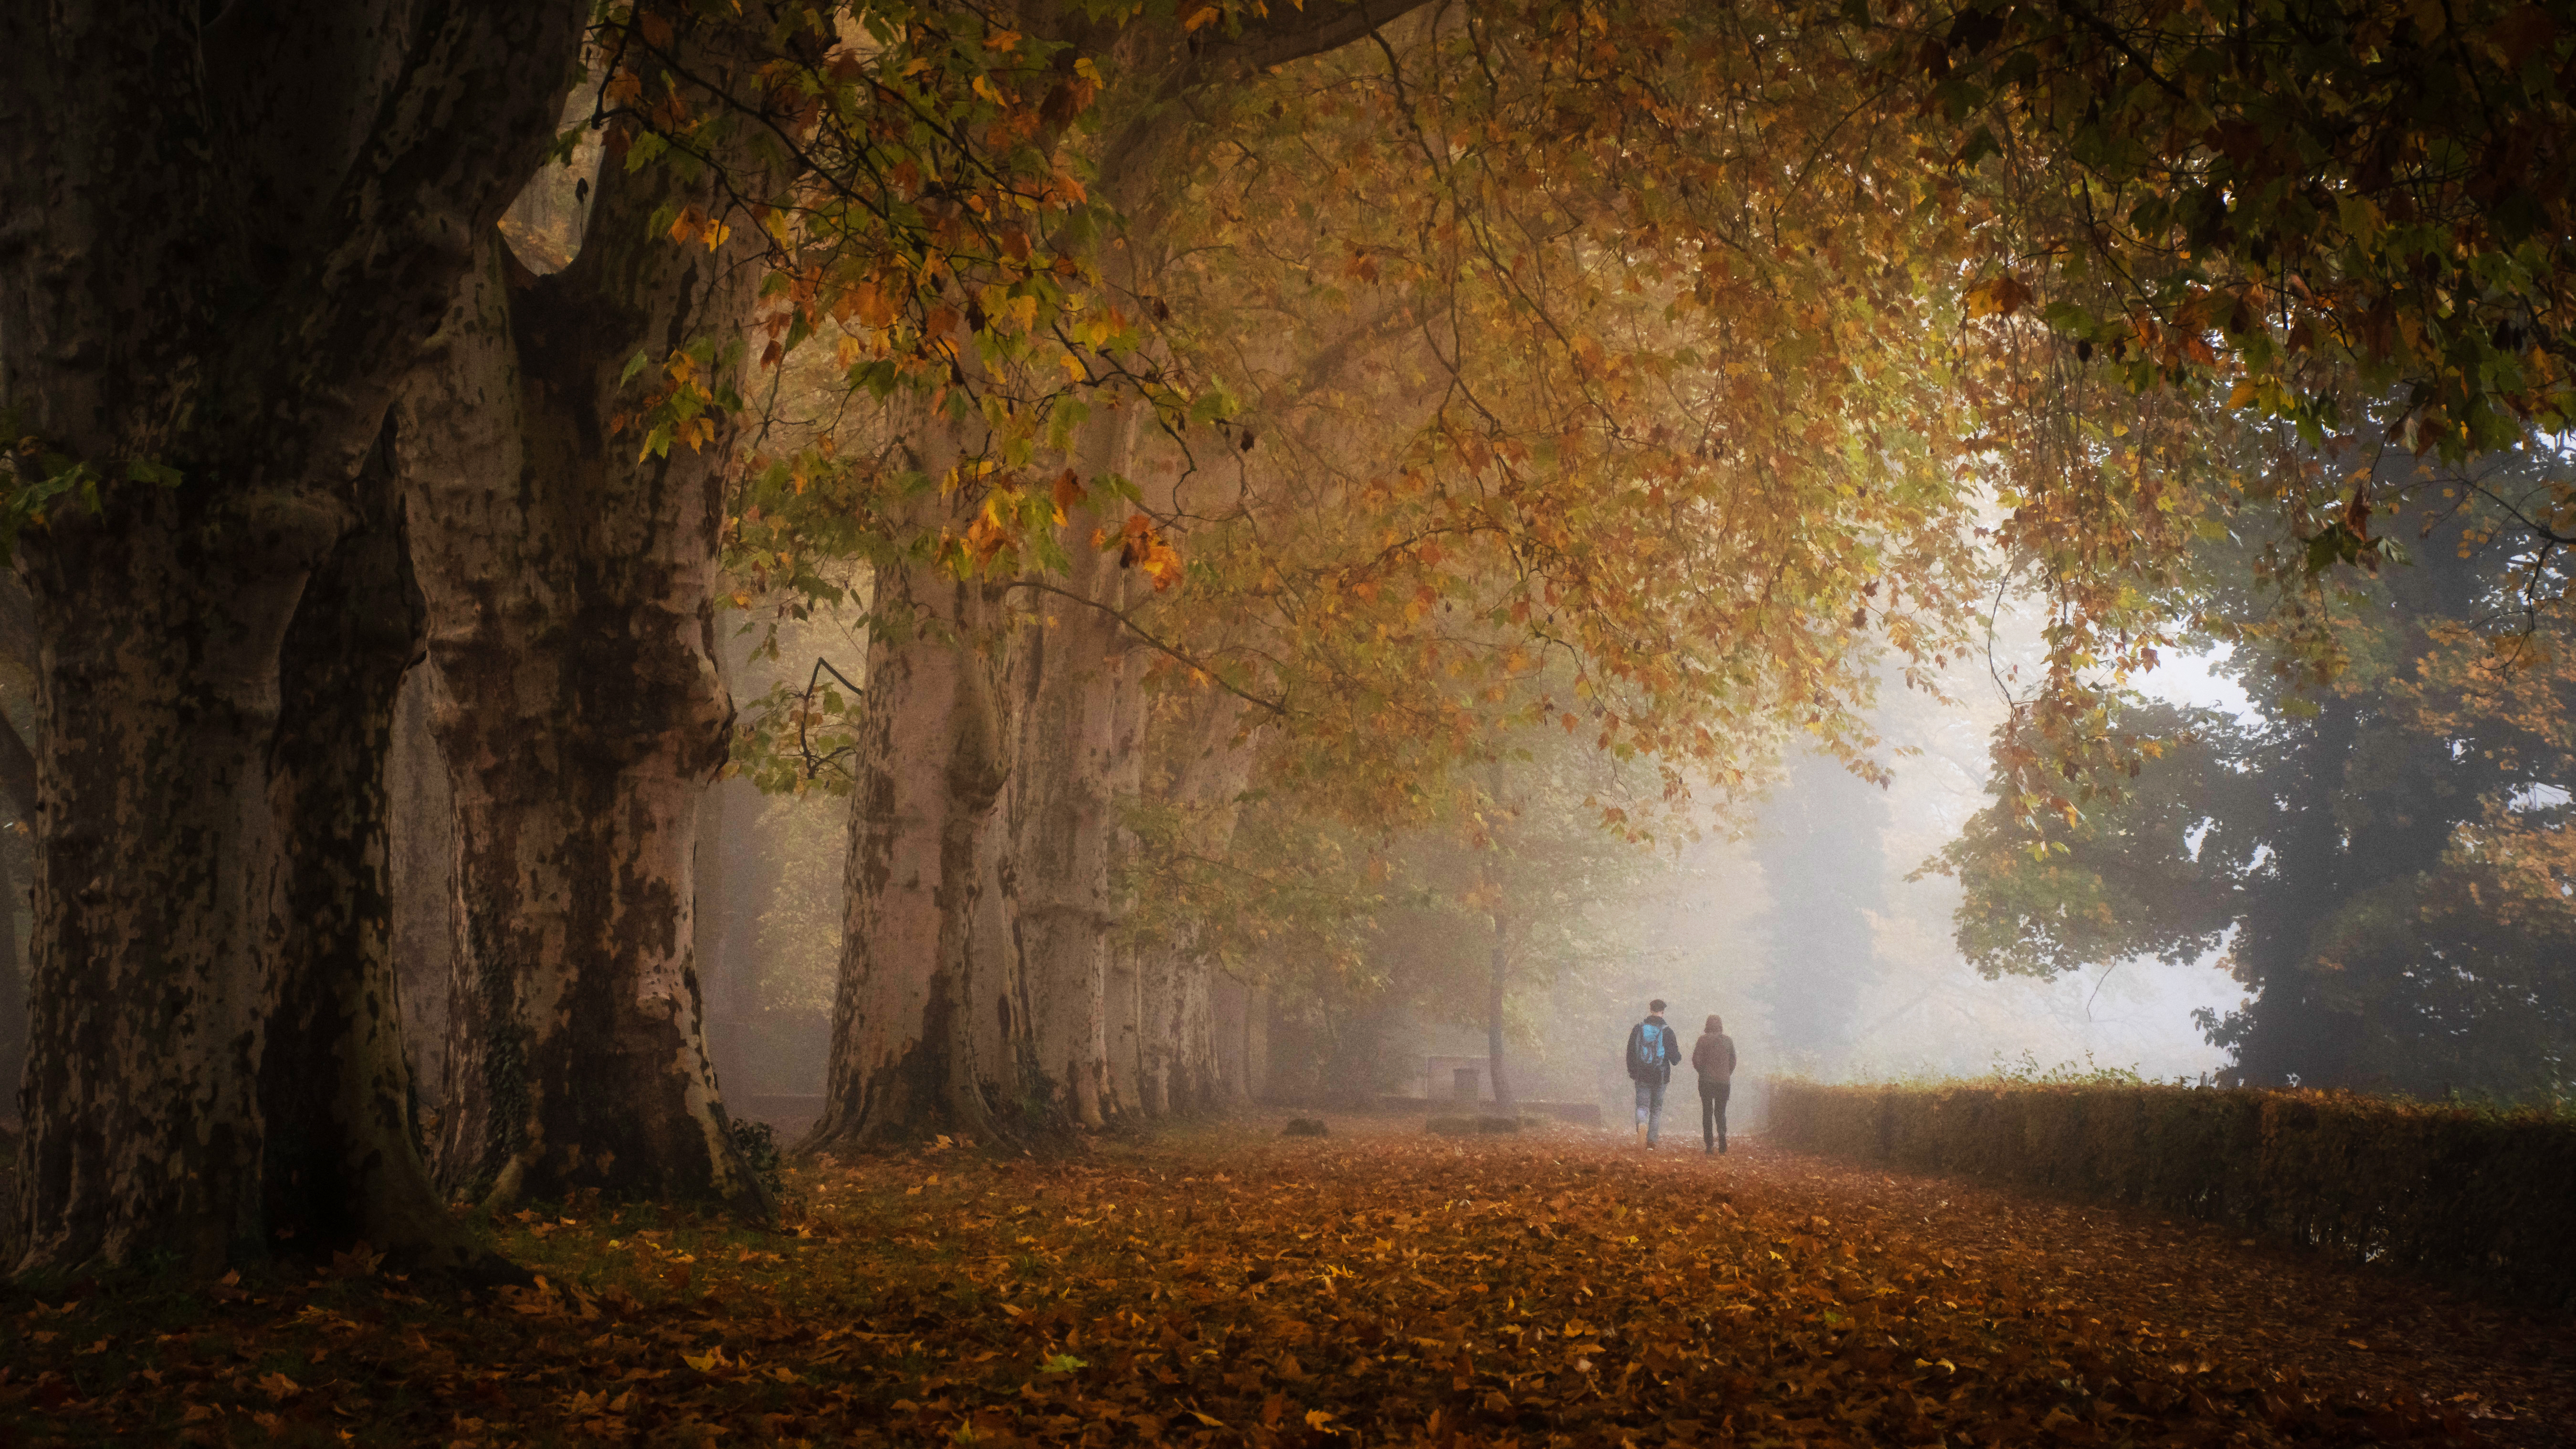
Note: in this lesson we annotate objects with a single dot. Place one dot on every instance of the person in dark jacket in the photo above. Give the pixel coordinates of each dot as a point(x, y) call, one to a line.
point(1653, 1051)
point(1713, 1057)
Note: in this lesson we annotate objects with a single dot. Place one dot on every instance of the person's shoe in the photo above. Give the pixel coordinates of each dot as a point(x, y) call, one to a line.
point(1721, 1149)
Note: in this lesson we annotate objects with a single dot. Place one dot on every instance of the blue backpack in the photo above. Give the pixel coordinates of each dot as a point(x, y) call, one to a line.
point(1651, 1051)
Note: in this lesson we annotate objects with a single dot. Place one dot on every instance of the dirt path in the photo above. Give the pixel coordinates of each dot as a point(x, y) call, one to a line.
point(1226, 1286)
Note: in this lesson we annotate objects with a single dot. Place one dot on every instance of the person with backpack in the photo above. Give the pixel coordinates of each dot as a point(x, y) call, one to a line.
point(1713, 1057)
point(1653, 1052)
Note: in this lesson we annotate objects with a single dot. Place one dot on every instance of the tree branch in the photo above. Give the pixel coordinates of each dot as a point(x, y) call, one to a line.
point(1290, 35)
point(1138, 630)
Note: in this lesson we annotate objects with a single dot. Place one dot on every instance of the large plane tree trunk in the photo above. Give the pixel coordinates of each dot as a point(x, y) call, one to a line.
point(1497, 980)
point(151, 318)
point(931, 1028)
point(422, 876)
point(1122, 992)
point(143, 1120)
point(571, 587)
point(342, 1145)
point(1184, 1068)
point(18, 653)
point(1075, 689)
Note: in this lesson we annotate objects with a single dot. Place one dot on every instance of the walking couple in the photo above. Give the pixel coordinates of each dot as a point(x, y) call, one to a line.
point(1654, 1050)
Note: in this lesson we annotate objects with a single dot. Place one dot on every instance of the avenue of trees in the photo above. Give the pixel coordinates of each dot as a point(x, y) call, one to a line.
point(1290, 464)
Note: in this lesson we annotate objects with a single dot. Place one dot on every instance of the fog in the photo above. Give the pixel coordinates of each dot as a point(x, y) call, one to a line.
point(1803, 918)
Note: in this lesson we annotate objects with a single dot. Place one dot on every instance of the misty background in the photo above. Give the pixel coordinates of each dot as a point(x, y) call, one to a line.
point(1805, 925)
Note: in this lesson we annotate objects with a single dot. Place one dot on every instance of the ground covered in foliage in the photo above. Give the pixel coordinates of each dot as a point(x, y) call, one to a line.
point(1224, 1286)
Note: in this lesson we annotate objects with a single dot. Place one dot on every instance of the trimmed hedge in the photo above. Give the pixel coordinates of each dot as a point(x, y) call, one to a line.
point(2483, 1197)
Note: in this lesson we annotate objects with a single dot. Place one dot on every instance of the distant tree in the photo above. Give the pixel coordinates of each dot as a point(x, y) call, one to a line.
point(1825, 869)
point(2383, 858)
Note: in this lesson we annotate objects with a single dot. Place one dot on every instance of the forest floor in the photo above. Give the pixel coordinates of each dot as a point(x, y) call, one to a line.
point(1224, 1285)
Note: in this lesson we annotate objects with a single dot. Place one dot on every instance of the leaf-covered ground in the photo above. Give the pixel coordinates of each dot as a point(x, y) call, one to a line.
point(1224, 1286)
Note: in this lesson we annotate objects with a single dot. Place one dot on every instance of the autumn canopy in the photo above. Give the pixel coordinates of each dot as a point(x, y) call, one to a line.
point(1278, 488)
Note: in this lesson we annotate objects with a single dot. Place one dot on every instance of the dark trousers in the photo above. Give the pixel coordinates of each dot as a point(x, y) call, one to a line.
point(1712, 1112)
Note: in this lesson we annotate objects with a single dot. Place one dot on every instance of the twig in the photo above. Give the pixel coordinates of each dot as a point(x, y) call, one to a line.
point(805, 711)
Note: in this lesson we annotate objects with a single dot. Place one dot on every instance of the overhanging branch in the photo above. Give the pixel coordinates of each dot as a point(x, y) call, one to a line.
point(1132, 627)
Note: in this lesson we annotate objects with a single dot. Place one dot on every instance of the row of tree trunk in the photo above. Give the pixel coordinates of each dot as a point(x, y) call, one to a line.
point(984, 990)
point(257, 300)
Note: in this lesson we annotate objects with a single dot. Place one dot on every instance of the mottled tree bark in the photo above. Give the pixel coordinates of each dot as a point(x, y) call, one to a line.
point(1123, 1020)
point(18, 652)
point(342, 1145)
point(422, 872)
point(931, 1027)
point(726, 815)
point(223, 243)
point(1197, 1075)
point(571, 587)
point(13, 1003)
point(1497, 975)
point(1074, 687)
point(1185, 1068)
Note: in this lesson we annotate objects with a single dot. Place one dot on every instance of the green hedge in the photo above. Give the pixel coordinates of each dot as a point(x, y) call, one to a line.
point(2457, 1192)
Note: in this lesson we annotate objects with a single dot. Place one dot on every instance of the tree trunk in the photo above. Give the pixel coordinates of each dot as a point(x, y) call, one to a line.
point(19, 778)
point(422, 870)
point(146, 321)
point(724, 827)
point(161, 690)
point(1494, 982)
point(1197, 1079)
point(2295, 1028)
point(1182, 1067)
point(13, 1001)
point(342, 1143)
point(1123, 1021)
point(931, 1029)
point(1063, 828)
point(1256, 1046)
point(1158, 1027)
point(1229, 1041)
point(1821, 851)
point(571, 588)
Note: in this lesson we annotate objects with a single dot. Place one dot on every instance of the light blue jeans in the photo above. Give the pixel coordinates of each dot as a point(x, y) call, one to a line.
point(1650, 1109)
